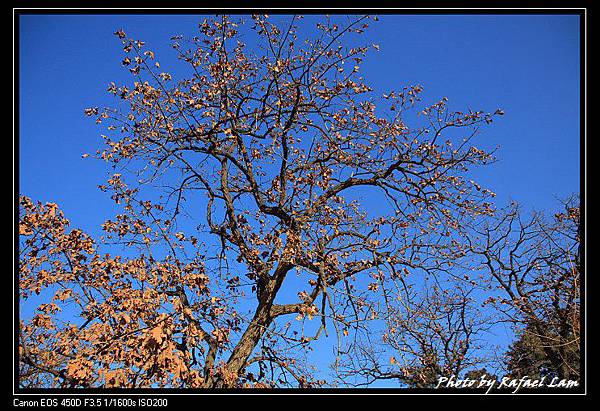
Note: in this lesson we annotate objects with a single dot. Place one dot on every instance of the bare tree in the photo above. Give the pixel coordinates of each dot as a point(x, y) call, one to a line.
point(432, 333)
point(534, 266)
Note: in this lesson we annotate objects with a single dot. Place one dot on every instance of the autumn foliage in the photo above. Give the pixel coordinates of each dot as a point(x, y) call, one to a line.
point(242, 235)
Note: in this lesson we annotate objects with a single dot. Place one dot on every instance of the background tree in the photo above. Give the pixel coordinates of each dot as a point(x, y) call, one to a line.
point(523, 271)
point(534, 263)
point(241, 221)
point(429, 334)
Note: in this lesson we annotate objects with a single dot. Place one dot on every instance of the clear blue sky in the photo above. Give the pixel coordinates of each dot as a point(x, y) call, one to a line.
point(526, 65)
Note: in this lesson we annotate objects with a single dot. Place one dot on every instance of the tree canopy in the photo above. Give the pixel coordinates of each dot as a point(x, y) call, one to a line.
point(243, 240)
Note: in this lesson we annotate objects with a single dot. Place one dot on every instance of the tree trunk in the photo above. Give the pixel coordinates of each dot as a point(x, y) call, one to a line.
point(257, 327)
point(260, 322)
